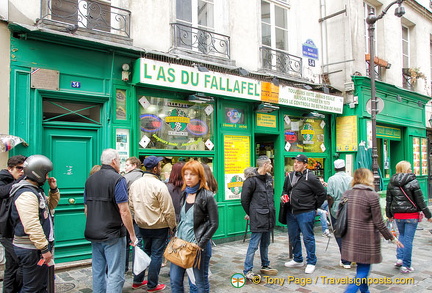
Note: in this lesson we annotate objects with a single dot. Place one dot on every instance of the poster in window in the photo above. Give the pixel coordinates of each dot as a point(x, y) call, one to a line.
point(424, 161)
point(122, 146)
point(304, 135)
point(121, 105)
point(175, 124)
point(346, 134)
point(234, 118)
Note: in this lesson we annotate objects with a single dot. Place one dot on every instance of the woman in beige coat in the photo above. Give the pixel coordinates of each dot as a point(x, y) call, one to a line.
point(362, 242)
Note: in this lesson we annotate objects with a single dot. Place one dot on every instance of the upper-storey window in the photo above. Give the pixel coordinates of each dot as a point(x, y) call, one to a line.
point(405, 47)
point(274, 25)
point(196, 13)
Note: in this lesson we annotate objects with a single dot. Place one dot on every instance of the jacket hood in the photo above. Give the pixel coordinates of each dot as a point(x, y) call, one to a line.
point(6, 176)
point(401, 179)
point(362, 186)
point(21, 184)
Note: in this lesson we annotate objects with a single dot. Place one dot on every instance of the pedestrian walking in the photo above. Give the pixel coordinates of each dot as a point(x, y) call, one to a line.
point(404, 204)
point(336, 186)
point(362, 242)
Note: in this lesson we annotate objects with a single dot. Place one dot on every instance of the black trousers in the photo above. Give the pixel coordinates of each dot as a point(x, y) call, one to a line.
point(13, 273)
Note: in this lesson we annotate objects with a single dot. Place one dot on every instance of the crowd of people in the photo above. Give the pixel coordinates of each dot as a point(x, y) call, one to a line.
point(141, 210)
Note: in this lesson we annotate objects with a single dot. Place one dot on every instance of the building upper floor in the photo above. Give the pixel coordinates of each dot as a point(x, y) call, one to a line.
point(313, 43)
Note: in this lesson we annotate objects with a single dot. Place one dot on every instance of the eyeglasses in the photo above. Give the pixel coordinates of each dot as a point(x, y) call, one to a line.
point(19, 168)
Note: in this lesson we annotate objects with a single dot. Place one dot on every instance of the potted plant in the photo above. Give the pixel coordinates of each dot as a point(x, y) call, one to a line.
point(414, 73)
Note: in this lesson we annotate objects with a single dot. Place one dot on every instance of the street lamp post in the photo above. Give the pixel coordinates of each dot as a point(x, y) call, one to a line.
point(371, 19)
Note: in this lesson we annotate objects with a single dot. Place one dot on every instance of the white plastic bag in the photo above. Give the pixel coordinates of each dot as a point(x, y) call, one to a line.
point(141, 261)
point(191, 275)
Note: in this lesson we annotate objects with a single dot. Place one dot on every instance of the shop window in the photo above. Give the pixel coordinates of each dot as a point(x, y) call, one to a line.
point(304, 134)
point(121, 113)
point(71, 112)
point(315, 165)
point(175, 124)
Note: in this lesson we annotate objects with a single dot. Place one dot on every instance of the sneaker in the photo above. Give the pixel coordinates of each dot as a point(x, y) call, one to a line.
point(345, 266)
point(309, 269)
point(398, 263)
point(326, 233)
point(266, 270)
point(293, 264)
point(252, 276)
point(136, 286)
point(159, 287)
point(406, 270)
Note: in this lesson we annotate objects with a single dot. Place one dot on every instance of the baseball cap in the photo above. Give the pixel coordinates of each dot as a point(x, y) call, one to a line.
point(151, 161)
point(338, 164)
point(301, 158)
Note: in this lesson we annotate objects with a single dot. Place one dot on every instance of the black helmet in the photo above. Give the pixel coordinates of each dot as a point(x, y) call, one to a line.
point(36, 168)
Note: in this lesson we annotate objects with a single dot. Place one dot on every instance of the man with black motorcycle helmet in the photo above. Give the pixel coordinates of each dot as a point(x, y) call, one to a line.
point(32, 216)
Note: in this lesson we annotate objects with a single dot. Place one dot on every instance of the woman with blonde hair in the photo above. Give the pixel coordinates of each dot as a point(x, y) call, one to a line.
point(198, 222)
point(362, 242)
point(405, 202)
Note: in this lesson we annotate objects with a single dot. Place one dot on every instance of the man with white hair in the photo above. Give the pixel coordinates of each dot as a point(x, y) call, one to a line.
point(108, 214)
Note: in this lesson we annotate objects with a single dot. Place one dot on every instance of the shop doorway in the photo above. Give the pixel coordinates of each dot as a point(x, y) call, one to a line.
point(265, 146)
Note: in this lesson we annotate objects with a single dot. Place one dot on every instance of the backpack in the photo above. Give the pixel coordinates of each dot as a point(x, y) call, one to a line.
point(6, 222)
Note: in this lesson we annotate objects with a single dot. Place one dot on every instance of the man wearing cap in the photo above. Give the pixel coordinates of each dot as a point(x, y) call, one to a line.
point(336, 186)
point(153, 210)
point(306, 194)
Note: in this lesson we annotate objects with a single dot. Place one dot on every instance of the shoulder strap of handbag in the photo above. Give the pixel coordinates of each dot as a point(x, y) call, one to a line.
point(403, 191)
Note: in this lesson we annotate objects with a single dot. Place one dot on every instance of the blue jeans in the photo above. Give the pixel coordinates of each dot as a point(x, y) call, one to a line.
point(155, 241)
point(360, 280)
point(407, 229)
point(108, 265)
point(323, 216)
point(137, 279)
point(339, 242)
point(202, 284)
point(302, 223)
point(263, 240)
point(35, 278)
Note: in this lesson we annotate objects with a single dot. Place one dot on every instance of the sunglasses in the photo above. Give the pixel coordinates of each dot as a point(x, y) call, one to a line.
point(19, 167)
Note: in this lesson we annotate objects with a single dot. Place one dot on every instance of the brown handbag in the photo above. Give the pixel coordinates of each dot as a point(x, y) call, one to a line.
point(183, 253)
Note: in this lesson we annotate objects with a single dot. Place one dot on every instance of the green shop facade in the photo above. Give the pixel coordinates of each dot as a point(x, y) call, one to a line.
point(71, 98)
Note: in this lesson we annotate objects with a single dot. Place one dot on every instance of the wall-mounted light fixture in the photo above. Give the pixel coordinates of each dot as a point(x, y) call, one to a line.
point(399, 98)
point(242, 71)
point(326, 90)
point(420, 104)
point(266, 108)
point(200, 98)
point(275, 81)
point(307, 87)
point(200, 67)
point(125, 72)
point(314, 114)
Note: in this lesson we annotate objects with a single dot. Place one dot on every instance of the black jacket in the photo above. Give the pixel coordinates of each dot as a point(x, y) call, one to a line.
point(206, 216)
point(307, 194)
point(396, 201)
point(104, 221)
point(6, 182)
point(258, 202)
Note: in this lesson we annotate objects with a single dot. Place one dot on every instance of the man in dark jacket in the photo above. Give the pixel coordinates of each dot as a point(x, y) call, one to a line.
point(12, 281)
point(306, 195)
point(258, 203)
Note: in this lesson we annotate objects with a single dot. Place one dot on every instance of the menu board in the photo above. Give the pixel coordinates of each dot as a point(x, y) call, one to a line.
point(424, 155)
point(416, 155)
point(237, 159)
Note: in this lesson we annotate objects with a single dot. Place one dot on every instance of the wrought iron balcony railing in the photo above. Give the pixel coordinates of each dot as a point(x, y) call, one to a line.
point(90, 14)
point(407, 82)
point(200, 40)
point(281, 62)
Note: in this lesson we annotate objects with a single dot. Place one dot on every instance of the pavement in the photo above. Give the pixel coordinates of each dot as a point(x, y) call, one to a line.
point(228, 259)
